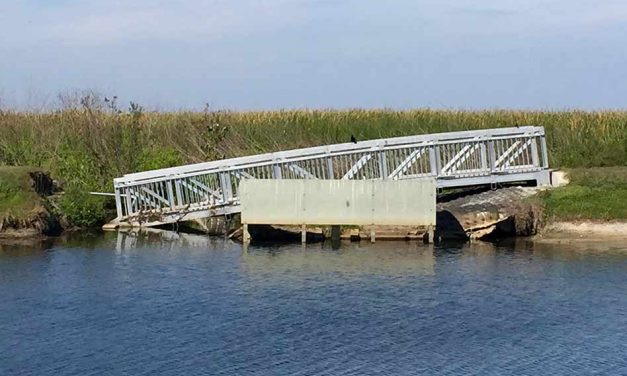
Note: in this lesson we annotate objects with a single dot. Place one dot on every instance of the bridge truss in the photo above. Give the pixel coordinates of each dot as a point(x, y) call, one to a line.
point(455, 159)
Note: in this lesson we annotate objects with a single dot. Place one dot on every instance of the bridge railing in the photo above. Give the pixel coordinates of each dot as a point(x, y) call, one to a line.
point(454, 159)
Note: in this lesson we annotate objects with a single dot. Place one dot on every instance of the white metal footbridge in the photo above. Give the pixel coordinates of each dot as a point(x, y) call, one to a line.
point(455, 159)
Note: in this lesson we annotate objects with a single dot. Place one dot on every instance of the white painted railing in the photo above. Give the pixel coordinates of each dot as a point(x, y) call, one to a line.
point(455, 159)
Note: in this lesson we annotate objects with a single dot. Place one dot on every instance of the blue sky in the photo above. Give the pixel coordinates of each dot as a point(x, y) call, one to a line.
point(247, 54)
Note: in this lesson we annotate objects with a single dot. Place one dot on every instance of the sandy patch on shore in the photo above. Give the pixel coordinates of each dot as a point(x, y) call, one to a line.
point(584, 232)
point(585, 228)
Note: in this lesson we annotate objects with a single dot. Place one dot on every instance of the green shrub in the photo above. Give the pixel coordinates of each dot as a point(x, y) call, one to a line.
point(155, 158)
point(81, 208)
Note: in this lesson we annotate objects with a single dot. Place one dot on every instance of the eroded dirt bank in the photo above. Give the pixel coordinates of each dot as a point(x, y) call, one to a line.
point(501, 213)
point(27, 207)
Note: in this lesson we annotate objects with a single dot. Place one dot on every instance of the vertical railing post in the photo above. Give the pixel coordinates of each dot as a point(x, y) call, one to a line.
point(170, 194)
point(179, 192)
point(492, 155)
point(432, 163)
point(484, 157)
point(545, 152)
point(535, 160)
point(383, 165)
point(129, 205)
point(434, 159)
point(118, 202)
point(227, 188)
point(329, 165)
point(277, 173)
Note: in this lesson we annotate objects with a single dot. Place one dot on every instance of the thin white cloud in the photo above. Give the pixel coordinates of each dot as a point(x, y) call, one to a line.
point(104, 22)
point(96, 22)
point(531, 17)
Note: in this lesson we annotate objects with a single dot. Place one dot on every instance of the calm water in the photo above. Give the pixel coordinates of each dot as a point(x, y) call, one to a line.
point(189, 305)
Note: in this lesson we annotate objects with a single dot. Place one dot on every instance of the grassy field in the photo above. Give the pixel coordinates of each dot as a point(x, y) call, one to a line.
point(594, 194)
point(91, 142)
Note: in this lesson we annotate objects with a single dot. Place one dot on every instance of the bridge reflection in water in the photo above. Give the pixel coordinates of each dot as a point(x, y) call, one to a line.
point(269, 262)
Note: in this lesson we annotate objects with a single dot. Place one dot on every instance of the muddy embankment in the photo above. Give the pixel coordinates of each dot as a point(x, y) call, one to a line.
point(27, 204)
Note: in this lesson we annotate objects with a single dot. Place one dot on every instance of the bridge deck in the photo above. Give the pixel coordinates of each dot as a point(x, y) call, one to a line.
point(455, 159)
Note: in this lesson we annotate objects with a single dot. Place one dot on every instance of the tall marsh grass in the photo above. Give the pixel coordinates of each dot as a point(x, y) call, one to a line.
point(89, 144)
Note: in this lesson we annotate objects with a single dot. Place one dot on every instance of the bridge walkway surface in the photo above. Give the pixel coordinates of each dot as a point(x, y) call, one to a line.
point(454, 159)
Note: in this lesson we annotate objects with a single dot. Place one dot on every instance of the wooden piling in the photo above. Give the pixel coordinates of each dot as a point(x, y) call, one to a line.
point(245, 234)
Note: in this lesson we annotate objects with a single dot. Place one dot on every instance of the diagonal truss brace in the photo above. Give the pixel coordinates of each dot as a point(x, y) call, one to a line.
point(155, 196)
point(461, 157)
point(213, 194)
point(301, 172)
point(357, 166)
point(518, 152)
point(242, 175)
point(407, 163)
point(197, 190)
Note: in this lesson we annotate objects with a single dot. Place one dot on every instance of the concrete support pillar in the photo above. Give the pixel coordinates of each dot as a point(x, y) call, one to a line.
point(543, 178)
point(303, 234)
point(372, 237)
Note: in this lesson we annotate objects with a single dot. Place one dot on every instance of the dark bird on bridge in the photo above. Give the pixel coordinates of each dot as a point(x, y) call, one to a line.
point(353, 139)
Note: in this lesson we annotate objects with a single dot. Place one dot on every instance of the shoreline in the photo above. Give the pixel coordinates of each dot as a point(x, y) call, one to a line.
point(592, 230)
point(36, 206)
point(553, 232)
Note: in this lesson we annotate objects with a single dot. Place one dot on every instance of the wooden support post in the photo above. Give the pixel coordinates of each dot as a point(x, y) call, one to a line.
point(303, 234)
point(430, 235)
point(336, 232)
point(245, 233)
